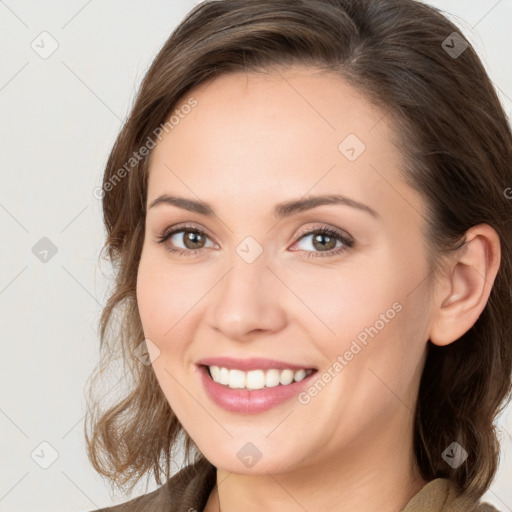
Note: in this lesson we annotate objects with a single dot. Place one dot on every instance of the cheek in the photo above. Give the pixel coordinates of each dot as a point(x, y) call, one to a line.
point(381, 328)
point(343, 300)
point(150, 300)
point(163, 309)
point(169, 298)
point(377, 305)
point(170, 307)
point(156, 296)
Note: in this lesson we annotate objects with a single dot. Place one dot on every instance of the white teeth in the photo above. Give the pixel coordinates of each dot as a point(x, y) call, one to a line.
point(236, 379)
point(286, 377)
point(272, 378)
point(224, 376)
point(301, 374)
point(256, 379)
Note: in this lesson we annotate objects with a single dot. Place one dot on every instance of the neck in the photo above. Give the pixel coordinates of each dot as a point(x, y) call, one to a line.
point(376, 473)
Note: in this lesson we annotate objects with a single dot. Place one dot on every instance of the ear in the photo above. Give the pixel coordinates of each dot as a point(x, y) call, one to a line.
point(463, 291)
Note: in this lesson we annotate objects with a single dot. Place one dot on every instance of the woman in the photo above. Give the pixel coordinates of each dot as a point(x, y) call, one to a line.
point(308, 211)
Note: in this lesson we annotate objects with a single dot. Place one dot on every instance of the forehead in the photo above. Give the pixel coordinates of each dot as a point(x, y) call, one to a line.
point(294, 101)
point(279, 135)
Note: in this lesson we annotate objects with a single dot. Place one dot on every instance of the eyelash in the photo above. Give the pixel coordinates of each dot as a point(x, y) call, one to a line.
point(348, 243)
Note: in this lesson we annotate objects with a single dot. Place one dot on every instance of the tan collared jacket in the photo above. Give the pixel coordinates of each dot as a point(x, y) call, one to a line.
point(189, 490)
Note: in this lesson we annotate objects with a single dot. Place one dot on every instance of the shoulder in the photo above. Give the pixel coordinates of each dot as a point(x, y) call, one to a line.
point(461, 502)
point(486, 507)
point(441, 495)
point(188, 489)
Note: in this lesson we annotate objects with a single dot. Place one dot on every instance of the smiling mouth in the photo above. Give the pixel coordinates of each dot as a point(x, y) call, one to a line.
point(257, 378)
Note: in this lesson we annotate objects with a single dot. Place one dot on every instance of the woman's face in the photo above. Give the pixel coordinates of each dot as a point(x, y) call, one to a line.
point(256, 279)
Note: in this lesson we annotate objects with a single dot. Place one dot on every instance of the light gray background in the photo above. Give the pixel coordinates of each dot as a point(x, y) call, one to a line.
point(60, 117)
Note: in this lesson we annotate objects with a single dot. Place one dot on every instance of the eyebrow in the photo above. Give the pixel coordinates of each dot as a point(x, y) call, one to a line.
point(281, 210)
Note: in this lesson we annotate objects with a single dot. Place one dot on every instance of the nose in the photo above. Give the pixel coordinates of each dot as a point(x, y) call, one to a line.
point(248, 299)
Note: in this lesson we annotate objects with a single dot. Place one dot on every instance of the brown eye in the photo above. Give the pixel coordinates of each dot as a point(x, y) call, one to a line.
point(324, 240)
point(321, 241)
point(192, 239)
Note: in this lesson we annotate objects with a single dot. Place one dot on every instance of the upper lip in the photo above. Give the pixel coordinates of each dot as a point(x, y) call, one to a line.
point(259, 363)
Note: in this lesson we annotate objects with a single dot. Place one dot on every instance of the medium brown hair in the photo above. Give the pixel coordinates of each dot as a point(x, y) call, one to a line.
point(457, 147)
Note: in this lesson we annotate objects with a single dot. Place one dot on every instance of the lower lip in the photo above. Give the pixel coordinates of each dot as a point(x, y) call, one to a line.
point(250, 401)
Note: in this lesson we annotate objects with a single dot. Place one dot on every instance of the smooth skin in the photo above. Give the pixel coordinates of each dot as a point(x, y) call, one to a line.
point(253, 141)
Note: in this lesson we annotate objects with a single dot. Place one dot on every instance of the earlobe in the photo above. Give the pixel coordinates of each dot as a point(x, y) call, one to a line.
point(466, 285)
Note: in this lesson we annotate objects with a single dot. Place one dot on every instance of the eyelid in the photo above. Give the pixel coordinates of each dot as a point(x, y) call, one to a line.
point(308, 231)
point(184, 227)
point(302, 232)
